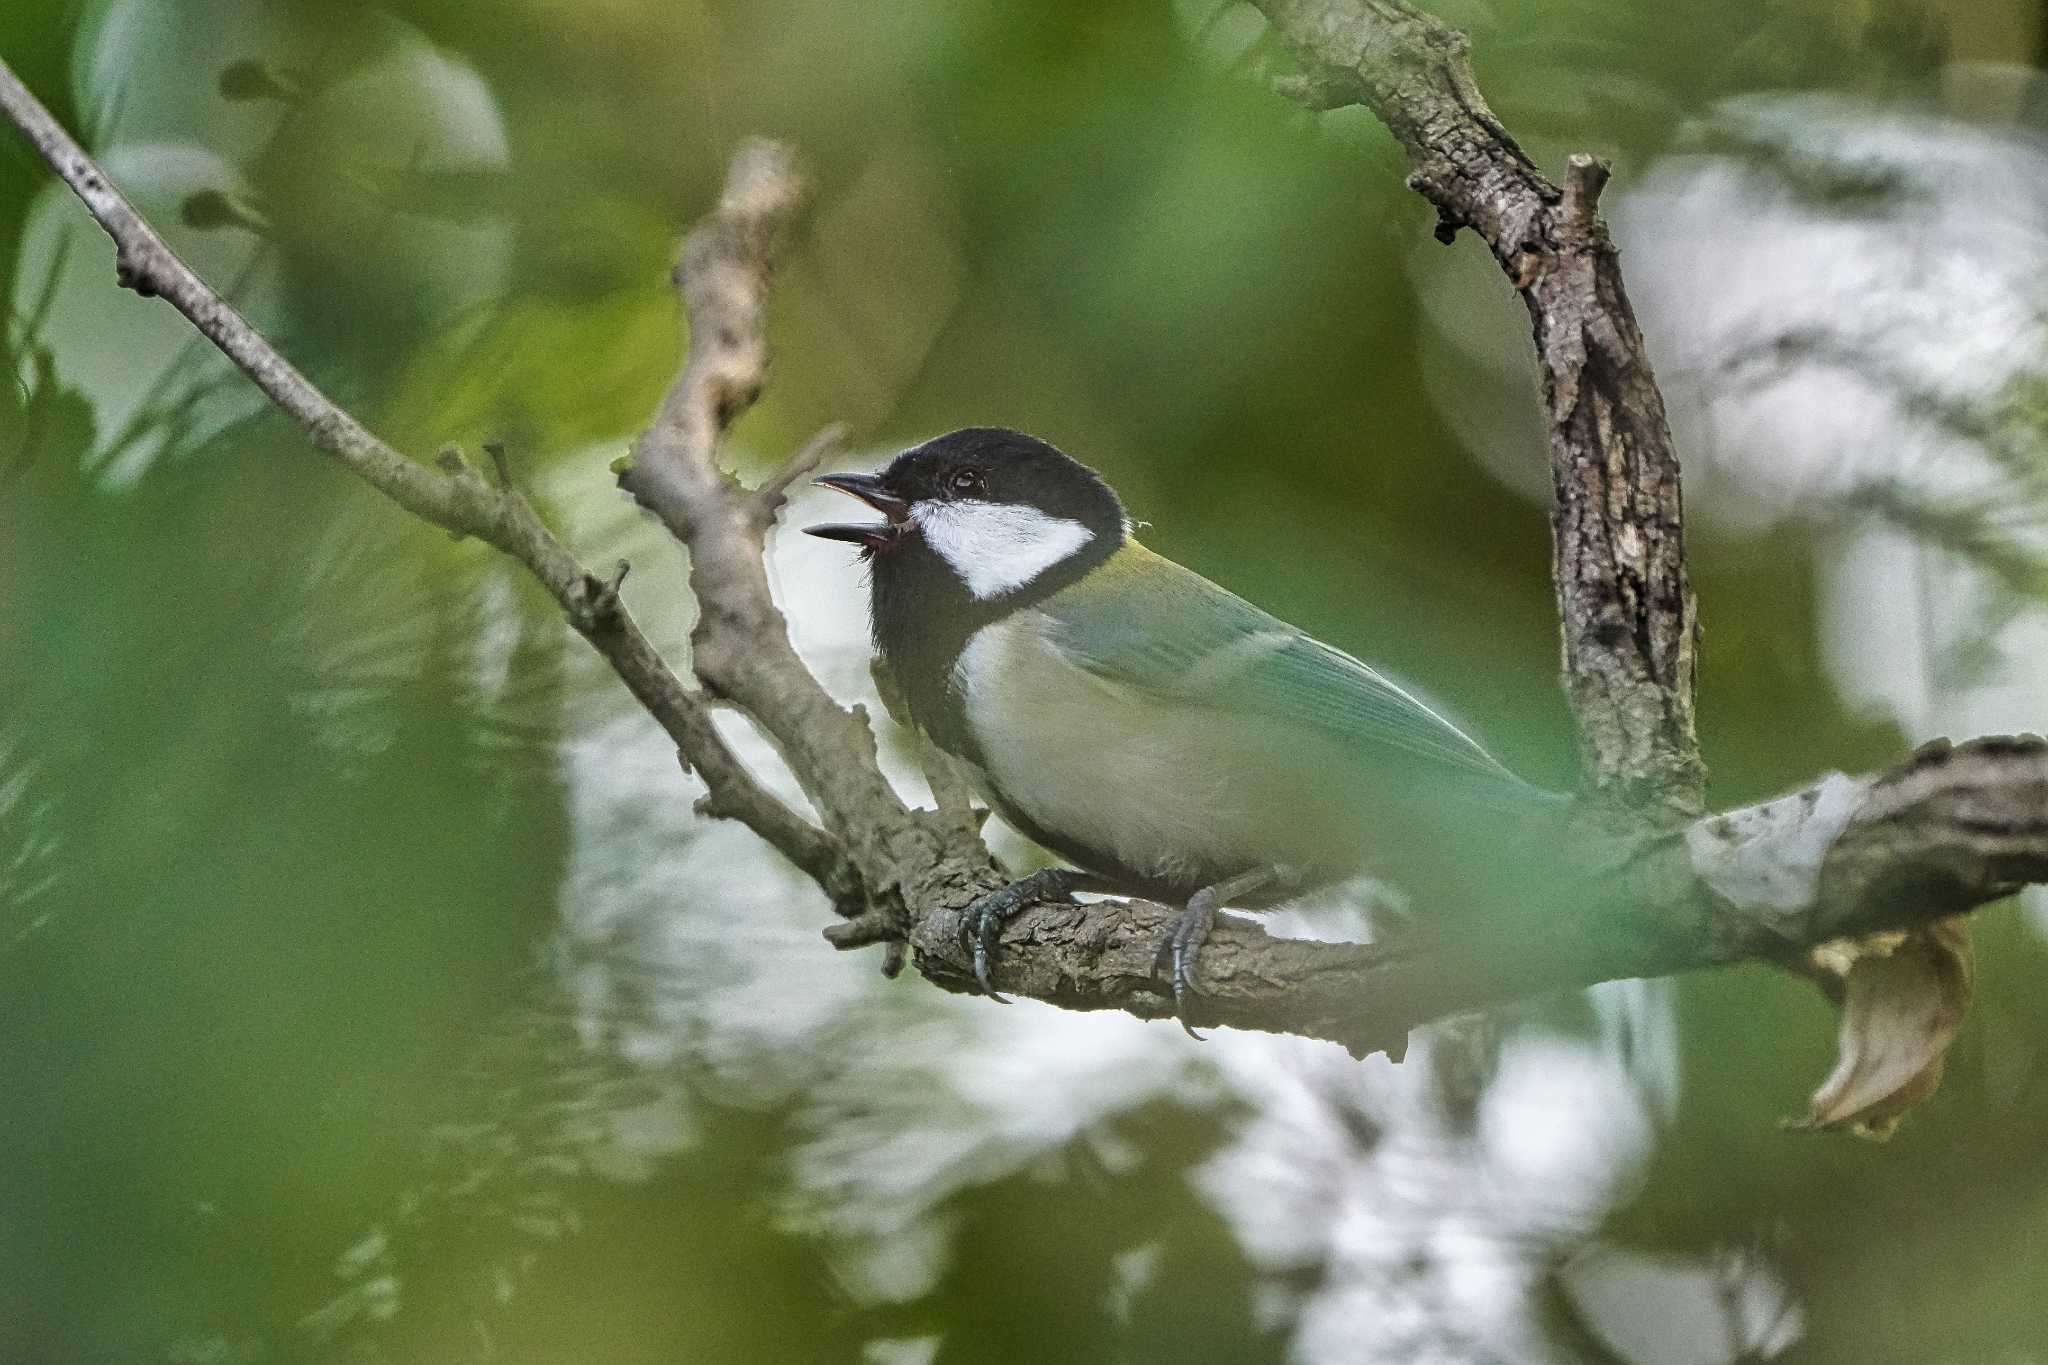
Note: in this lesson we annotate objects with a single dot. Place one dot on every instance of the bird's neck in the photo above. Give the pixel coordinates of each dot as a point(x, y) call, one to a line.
point(924, 614)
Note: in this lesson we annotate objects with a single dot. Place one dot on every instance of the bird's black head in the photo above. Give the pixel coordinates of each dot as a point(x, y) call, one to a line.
point(977, 524)
point(998, 512)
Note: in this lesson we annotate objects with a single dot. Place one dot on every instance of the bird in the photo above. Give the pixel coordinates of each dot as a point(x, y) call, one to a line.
point(1165, 737)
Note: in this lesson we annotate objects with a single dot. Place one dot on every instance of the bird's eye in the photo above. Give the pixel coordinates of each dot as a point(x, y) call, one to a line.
point(963, 482)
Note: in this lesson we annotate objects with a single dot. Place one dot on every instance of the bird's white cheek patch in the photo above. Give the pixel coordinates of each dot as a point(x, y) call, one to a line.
point(997, 547)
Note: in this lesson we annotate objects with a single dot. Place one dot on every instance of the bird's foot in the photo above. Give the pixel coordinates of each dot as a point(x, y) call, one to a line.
point(1184, 937)
point(1178, 949)
point(981, 925)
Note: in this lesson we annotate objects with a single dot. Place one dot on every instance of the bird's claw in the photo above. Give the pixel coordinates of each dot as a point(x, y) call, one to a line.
point(981, 924)
point(1184, 938)
point(1178, 949)
point(980, 930)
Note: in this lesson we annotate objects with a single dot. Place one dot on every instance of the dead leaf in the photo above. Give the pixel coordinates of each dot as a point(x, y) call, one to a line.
point(1903, 996)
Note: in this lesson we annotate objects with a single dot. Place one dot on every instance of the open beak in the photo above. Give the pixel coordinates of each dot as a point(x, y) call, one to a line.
point(870, 490)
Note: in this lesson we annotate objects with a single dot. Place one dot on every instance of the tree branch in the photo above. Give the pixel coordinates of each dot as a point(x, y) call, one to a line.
point(458, 498)
point(1628, 617)
point(1631, 629)
point(740, 646)
point(1945, 832)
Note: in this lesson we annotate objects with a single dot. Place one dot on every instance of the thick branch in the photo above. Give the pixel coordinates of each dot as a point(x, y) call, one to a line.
point(1946, 832)
point(1626, 607)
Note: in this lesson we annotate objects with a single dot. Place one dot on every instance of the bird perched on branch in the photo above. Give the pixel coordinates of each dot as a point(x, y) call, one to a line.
point(1169, 738)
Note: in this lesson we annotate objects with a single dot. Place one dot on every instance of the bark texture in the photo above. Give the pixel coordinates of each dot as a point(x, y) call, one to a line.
point(1630, 624)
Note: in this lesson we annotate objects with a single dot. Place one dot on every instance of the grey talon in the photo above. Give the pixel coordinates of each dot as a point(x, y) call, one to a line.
point(1182, 943)
point(981, 926)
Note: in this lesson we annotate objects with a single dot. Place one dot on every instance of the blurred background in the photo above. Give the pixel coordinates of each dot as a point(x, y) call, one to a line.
point(368, 991)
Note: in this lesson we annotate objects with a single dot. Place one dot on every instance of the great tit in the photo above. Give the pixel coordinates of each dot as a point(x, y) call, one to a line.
point(1169, 738)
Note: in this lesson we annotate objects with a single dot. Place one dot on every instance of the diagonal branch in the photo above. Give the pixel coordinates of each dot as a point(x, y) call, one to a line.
point(740, 646)
point(457, 498)
point(1629, 621)
point(1630, 625)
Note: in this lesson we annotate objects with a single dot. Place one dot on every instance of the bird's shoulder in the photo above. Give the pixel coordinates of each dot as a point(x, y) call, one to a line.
point(1139, 612)
point(1144, 622)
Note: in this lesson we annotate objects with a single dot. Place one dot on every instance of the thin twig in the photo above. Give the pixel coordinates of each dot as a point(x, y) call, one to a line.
point(774, 490)
point(457, 499)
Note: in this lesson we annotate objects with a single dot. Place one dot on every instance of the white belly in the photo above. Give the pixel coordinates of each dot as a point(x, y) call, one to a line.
point(1170, 793)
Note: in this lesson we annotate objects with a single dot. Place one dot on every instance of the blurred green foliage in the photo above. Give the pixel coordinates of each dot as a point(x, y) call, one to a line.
point(283, 814)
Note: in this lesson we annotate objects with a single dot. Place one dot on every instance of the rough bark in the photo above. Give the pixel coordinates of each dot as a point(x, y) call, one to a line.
point(1626, 611)
point(1630, 625)
point(740, 647)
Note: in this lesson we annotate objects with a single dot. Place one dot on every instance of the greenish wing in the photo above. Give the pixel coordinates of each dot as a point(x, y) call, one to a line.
point(1151, 625)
